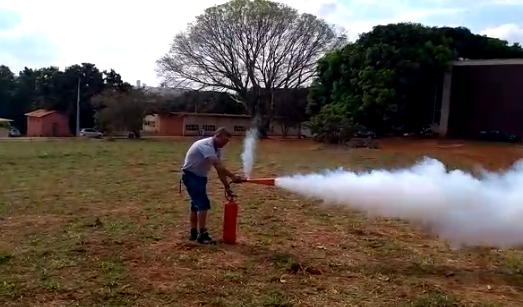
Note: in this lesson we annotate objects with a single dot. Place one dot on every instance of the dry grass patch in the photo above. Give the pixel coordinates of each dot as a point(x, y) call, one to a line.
point(91, 223)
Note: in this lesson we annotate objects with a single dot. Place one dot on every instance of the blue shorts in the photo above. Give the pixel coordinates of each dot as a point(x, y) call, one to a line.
point(197, 188)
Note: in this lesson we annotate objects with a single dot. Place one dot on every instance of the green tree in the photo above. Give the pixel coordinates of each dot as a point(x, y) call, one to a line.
point(113, 80)
point(118, 111)
point(387, 78)
point(473, 46)
point(58, 90)
point(48, 89)
point(329, 127)
point(249, 48)
point(24, 97)
point(7, 88)
point(17, 95)
point(91, 81)
point(51, 88)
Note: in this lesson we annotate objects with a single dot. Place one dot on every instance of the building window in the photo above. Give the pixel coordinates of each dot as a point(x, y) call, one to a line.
point(239, 128)
point(209, 127)
point(191, 127)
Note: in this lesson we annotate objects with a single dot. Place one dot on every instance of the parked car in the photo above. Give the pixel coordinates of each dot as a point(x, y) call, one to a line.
point(91, 133)
point(14, 133)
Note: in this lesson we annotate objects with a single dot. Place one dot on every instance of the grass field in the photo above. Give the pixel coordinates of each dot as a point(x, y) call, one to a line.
point(96, 223)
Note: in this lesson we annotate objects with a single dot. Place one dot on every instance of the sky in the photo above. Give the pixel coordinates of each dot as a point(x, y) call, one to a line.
point(129, 36)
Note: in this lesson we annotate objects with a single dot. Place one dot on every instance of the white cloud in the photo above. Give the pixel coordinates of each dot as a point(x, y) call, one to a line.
point(510, 32)
point(131, 36)
point(126, 36)
point(405, 15)
point(507, 2)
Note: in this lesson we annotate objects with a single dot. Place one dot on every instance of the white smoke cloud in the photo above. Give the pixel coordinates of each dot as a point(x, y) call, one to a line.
point(249, 146)
point(454, 205)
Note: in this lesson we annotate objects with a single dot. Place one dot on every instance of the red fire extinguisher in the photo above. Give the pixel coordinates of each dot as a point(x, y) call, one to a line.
point(230, 219)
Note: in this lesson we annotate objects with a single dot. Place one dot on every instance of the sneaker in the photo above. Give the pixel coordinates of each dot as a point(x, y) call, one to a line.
point(204, 238)
point(194, 235)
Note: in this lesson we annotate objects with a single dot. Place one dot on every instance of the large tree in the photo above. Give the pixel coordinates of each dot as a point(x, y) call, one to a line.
point(248, 48)
point(388, 78)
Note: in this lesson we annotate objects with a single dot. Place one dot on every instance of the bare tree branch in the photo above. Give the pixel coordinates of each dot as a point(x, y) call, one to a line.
point(248, 45)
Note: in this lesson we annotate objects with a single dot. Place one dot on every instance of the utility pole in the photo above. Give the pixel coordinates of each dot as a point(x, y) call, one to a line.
point(78, 109)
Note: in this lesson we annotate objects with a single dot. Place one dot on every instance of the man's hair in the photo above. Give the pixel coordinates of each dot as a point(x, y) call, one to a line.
point(222, 131)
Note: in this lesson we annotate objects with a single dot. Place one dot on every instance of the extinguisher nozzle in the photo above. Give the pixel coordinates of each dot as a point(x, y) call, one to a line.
point(262, 181)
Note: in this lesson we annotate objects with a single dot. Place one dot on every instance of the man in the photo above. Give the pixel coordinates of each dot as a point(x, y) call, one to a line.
point(200, 157)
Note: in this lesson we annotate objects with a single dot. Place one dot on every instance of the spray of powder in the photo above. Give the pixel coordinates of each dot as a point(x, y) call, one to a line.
point(249, 145)
point(455, 206)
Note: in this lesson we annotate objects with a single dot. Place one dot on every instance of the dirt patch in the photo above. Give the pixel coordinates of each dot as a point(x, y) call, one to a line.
point(131, 210)
point(20, 221)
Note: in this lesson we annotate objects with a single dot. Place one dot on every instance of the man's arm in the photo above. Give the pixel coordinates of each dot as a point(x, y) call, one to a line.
point(223, 172)
point(223, 179)
point(220, 168)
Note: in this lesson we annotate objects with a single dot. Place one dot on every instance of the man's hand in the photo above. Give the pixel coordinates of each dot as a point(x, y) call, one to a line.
point(238, 179)
point(229, 192)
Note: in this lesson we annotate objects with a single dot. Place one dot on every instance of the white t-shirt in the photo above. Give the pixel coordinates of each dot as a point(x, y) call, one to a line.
point(196, 160)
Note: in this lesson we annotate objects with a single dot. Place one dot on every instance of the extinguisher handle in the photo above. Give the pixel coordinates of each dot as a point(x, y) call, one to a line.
point(229, 196)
